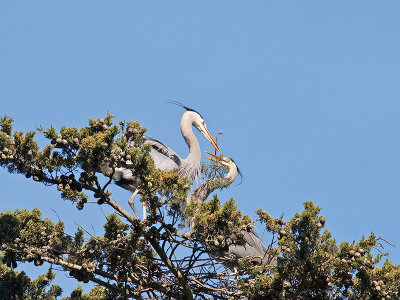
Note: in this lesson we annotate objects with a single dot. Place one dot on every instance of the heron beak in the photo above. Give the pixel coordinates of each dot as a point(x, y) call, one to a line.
point(209, 137)
point(216, 158)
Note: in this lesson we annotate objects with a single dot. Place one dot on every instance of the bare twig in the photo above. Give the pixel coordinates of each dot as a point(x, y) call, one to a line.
point(216, 140)
point(81, 227)
point(380, 238)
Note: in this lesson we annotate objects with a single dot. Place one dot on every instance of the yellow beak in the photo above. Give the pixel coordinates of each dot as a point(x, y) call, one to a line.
point(217, 158)
point(209, 137)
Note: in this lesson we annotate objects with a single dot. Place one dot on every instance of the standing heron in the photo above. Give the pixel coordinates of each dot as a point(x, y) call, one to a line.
point(252, 248)
point(165, 158)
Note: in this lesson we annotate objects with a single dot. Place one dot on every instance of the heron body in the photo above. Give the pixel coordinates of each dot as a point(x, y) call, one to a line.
point(165, 158)
point(252, 247)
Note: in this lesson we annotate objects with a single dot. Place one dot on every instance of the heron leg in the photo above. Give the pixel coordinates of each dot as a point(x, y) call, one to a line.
point(144, 210)
point(132, 204)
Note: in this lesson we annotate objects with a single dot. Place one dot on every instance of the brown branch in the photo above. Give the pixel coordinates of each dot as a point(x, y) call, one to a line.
point(173, 269)
point(209, 288)
point(61, 262)
point(121, 210)
point(109, 181)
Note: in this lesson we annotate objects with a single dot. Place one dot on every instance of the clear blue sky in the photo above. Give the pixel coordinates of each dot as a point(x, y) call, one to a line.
point(306, 93)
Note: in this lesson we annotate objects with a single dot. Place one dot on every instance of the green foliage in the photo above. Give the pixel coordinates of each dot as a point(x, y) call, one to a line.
point(15, 285)
point(25, 236)
point(217, 225)
point(6, 124)
point(312, 266)
point(97, 293)
point(211, 170)
point(156, 258)
point(115, 227)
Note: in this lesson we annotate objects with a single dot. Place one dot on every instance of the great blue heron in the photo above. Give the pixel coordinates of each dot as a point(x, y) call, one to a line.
point(165, 158)
point(252, 247)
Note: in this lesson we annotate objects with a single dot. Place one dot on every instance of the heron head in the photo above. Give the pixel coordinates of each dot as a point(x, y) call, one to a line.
point(222, 160)
point(225, 161)
point(198, 122)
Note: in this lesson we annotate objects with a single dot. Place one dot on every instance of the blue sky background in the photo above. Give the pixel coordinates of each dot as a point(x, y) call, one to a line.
point(307, 95)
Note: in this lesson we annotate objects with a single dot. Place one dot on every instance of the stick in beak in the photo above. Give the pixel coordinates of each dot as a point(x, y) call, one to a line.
point(210, 138)
point(214, 157)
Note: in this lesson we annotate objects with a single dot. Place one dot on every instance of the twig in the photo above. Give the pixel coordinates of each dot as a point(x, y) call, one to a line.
point(377, 249)
point(109, 181)
point(380, 238)
point(94, 230)
point(76, 223)
point(173, 269)
point(216, 140)
point(56, 214)
point(118, 213)
point(214, 289)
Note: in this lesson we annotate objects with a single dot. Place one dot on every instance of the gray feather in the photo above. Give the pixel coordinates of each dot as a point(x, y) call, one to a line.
point(164, 157)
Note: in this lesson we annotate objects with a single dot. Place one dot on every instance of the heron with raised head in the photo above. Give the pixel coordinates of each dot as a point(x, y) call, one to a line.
point(165, 158)
point(253, 248)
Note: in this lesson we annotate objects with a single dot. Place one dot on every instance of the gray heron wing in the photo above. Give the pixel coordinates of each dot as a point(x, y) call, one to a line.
point(253, 240)
point(164, 157)
point(252, 248)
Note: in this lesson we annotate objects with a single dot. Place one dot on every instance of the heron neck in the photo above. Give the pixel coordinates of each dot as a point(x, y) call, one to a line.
point(202, 192)
point(231, 176)
point(191, 140)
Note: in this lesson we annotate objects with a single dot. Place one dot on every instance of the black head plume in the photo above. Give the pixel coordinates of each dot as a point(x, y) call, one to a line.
point(185, 107)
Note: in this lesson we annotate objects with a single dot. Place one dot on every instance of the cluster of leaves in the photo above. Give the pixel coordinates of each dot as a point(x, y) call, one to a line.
point(15, 285)
point(217, 225)
point(311, 265)
point(24, 236)
point(121, 255)
point(97, 293)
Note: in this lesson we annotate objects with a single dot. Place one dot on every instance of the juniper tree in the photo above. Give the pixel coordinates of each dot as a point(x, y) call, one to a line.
point(159, 257)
